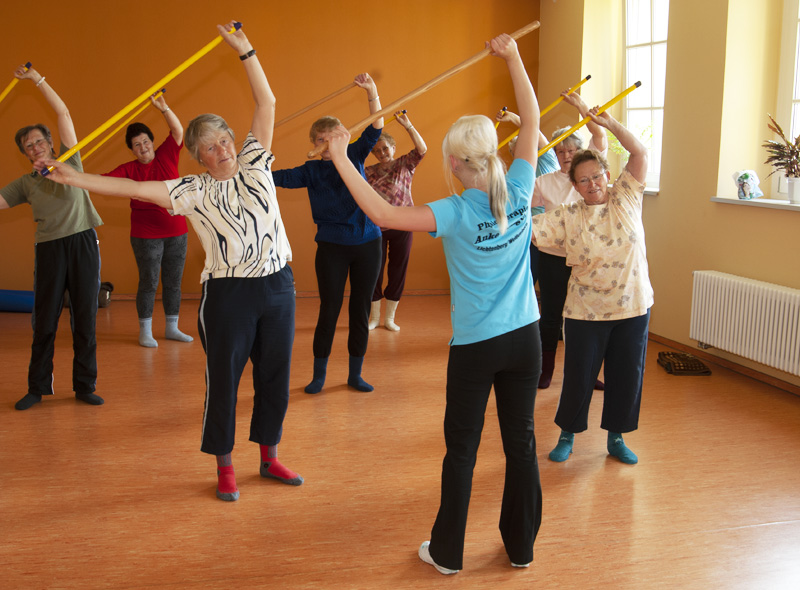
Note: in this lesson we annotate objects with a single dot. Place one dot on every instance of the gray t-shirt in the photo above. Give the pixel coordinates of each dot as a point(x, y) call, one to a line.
point(59, 210)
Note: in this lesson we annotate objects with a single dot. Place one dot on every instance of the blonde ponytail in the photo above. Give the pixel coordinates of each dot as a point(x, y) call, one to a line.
point(473, 140)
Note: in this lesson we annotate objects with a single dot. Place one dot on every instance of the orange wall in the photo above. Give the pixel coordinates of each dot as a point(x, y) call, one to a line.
point(99, 59)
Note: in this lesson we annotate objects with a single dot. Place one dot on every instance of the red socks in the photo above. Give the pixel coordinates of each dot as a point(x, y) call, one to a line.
point(272, 468)
point(226, 484)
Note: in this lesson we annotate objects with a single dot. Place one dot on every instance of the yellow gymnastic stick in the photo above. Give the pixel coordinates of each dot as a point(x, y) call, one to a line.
point(394, 118)
point(585, 120)
point(496, 125)
point(135, 102)
point(546, 109)
point(113, 132)
point(553, 104)
point(13, 83)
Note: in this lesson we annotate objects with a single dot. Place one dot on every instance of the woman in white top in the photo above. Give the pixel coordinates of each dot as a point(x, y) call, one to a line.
point(248, 303)
point(551, 191)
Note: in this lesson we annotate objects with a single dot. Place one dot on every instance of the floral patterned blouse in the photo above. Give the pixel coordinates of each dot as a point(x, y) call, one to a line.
point(606, 249)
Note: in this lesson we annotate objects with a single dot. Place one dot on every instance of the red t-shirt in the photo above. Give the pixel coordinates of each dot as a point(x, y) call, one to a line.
point(147, 219)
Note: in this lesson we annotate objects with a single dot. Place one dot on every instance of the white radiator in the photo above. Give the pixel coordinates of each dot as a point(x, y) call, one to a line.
point(756, 320)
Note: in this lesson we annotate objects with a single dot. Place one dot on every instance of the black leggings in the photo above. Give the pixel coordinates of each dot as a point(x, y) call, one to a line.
point(553, 280)
point(333, 264)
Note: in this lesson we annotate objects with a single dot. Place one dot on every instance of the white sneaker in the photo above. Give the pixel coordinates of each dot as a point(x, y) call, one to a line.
point(425, 555)
point(519, 564)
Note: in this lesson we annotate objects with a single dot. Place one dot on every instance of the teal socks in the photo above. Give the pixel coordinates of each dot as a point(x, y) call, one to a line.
point(320, 370)
point(617, 448)
point(564, 447)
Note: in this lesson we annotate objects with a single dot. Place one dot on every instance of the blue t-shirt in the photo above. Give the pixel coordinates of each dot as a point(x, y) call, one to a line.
point(339, 219)
point(546, 164)
point(491, 290)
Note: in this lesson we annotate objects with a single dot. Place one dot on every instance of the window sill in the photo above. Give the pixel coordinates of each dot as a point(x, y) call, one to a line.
point(651, 191)
point(761, 202)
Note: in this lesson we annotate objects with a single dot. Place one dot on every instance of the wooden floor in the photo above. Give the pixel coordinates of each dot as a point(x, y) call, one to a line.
point(120, 496)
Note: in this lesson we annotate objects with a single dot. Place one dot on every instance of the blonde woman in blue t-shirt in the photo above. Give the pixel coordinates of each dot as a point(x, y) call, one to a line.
point(485, 233)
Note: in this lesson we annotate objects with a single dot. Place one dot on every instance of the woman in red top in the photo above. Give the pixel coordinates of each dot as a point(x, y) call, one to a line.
point(159, 240)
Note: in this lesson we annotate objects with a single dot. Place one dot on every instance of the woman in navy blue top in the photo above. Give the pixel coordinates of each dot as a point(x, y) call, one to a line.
point(348, 243)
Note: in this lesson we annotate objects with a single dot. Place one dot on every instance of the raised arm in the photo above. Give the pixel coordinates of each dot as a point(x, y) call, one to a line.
point(366, 82)
point(419, 143)
point(153, 191)
point(173, 122)
point(372, 204)
point(263, 125)
point(599, 137)
point(505, 47)
point(637, 161)
point(66, 129)
point(506, 115)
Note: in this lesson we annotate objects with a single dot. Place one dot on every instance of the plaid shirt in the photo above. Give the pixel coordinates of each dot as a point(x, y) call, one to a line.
point(393, 183)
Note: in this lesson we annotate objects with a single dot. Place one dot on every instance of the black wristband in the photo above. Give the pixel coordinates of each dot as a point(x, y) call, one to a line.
point(250, 53)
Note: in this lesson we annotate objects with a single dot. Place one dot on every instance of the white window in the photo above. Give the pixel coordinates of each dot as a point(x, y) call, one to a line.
point(646, 24)
point(788, 107)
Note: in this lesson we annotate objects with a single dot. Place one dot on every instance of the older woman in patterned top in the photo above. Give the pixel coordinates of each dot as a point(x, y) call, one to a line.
point(607, 310)
point(248, 302)
point(391, 178)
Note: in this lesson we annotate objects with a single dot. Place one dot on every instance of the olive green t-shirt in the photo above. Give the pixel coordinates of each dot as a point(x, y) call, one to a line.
point(59, 210)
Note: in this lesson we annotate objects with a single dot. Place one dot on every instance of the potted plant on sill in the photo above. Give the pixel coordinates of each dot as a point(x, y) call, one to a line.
point(784, 156)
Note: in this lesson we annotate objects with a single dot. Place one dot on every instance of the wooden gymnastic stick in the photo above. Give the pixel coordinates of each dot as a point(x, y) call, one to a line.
point(113, 132)
point(546, 110)
point(315, 104)
point(139, 99)
point(13, 83)
point(585, 120)
point(425, 87)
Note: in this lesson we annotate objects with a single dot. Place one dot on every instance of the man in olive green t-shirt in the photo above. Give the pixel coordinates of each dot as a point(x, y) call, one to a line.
point(67, 256)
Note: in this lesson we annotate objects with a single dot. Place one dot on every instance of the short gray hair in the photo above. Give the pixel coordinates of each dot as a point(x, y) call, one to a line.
point(201, 128)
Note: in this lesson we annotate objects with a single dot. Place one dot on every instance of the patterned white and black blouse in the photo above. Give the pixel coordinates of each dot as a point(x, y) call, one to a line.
point(238, 220)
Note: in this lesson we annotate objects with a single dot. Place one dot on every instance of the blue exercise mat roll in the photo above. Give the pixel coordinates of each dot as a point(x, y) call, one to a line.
point(16, 300)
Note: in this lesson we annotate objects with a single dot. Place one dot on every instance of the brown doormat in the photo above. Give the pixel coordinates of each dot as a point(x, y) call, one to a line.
point(681, 363)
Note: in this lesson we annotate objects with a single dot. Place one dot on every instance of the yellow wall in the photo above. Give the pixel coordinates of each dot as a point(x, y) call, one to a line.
point(751, 78)
point(101, 56)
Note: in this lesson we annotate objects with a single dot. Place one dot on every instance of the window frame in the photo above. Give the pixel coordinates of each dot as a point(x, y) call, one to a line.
point(653, 178)
point(788, 80)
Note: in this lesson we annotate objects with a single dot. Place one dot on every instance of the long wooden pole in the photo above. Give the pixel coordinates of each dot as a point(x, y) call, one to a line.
point(394, 106)
point(114, 131)
point(546, 110)
point(138, 100)
point(585, 120)
point(13, 83)
point(316, 104)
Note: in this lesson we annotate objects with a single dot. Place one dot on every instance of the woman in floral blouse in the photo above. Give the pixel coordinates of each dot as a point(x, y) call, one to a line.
point(607, 310)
